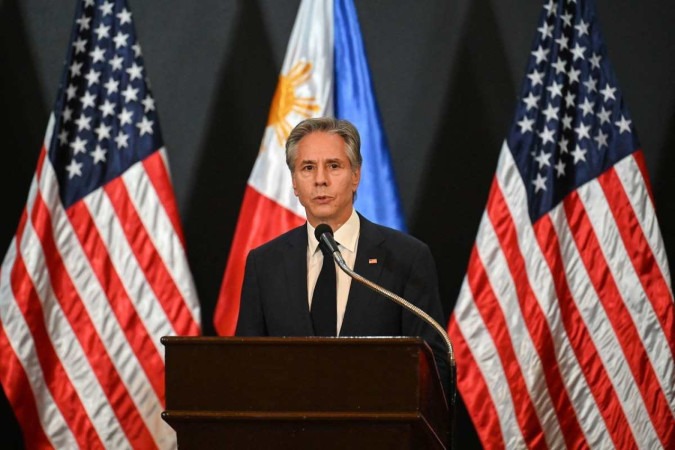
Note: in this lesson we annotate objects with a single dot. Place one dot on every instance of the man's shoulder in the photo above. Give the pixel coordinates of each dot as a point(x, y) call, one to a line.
point(295, 236)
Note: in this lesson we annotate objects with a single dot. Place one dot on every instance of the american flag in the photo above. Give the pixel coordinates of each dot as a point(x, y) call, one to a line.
point(97, 271)
point(564, 328)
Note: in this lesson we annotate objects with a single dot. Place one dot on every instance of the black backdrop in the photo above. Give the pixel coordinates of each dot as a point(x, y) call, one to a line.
point(446, 74)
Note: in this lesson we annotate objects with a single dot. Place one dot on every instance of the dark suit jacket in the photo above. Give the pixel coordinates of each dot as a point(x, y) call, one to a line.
point(274, 295)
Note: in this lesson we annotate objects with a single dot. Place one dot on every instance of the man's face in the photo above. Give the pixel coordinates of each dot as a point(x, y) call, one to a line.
point(323, 179)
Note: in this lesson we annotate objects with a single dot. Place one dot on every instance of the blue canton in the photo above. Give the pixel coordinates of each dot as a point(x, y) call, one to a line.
point(105, 117)
point(571, 122)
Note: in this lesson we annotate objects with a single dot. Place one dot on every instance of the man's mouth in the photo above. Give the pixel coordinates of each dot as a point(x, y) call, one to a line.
point(322, 198)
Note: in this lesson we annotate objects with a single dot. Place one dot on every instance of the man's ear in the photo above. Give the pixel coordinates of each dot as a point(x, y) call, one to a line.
point(356, 178)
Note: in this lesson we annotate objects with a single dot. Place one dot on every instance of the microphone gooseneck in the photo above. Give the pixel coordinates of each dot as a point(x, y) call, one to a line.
point(324, 234)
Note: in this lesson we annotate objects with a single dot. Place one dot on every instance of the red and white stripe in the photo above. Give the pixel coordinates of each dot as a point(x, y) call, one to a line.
point(85, 295)
point(564, 329)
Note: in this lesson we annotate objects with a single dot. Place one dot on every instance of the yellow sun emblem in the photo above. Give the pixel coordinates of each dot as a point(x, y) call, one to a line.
point(285, 101)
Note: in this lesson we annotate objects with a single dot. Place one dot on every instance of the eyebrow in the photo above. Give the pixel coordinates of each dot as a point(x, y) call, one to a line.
point(328, 161)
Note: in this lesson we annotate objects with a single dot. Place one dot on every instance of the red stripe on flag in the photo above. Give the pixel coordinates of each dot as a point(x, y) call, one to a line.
point(620, 319)
point(134, 330)
point(640, 253)
point(16, 385)
point(40, 162)
point(56, 378)
point(20, 396)
point(154, 269)
point(475, 392)
point(97, 355)
point(580, 339)
point(161, 181)
point(534, 318)
point(488, 306)
point(260, 221)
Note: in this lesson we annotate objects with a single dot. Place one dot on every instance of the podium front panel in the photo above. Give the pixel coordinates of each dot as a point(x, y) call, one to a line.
point(303, 390)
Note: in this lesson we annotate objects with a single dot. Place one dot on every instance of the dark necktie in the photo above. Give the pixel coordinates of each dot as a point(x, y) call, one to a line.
point(324, 299)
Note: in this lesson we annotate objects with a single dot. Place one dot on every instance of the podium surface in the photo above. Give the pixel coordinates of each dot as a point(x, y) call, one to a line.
point(304, 393)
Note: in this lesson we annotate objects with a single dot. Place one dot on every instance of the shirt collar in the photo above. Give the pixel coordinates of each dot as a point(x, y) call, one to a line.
point(346, 236)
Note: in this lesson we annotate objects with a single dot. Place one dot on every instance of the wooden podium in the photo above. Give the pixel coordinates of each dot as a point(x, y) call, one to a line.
point(304, 393)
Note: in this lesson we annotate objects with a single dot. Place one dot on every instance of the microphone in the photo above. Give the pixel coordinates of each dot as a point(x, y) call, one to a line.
point(324, 234)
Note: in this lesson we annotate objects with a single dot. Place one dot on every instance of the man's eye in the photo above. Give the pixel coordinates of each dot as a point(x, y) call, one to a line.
point(334, 166)
point(307, 168)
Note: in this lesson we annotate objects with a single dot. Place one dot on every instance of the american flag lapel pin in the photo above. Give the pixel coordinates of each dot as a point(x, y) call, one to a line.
point(372, 261)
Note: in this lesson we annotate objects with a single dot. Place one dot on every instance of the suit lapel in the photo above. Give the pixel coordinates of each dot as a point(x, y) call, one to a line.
point(295, 265)
point(370, 258)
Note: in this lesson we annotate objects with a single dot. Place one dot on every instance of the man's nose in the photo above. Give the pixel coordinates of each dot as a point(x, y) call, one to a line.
point(321, 175)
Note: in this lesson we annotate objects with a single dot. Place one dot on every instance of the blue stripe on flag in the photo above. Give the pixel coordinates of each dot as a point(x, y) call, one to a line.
point(378, 198)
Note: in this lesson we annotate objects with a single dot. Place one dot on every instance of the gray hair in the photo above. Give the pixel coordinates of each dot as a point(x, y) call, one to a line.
point(342, 128)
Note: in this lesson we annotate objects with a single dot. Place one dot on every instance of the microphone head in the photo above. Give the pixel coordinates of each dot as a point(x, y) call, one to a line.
point(321, 229)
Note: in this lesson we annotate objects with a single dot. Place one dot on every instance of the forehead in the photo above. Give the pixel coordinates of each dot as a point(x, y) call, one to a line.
point(320, 145)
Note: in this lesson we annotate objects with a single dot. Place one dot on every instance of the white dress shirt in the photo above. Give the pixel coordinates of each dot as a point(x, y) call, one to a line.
point(347, 238)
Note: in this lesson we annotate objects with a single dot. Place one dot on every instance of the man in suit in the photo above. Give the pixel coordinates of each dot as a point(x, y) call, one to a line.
point(281, 276)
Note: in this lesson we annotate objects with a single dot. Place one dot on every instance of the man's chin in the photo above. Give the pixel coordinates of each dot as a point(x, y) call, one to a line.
point(323, 215)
